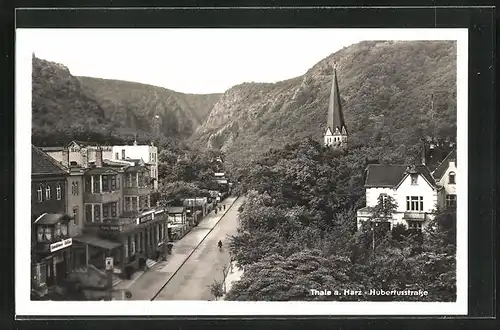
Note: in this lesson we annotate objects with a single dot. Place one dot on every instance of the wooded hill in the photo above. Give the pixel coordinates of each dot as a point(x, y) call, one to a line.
point(66, 107)
point(392, 94)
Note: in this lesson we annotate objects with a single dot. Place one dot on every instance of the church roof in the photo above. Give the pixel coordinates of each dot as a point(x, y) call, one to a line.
point(335, 115)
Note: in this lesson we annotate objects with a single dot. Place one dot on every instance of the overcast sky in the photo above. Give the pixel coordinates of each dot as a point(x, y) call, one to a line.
point(198, 60)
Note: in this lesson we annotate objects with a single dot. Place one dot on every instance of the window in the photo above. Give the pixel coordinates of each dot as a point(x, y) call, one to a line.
point(47, 192)
point(414, 203)
point(75, 215)
point(141, 178)
point(414, 178)
point(451, 178)
point(143, 202)
point(97, 184)
point(58, 192)
point(415, 225)
point(105, 183)
point(77, 188)
point(105, 211)
point(128, 203)
point(384, 198)
point(134, 203)
point(117, 155)
point(451, 200)
point(88, 184)
point(97, 213)
point(113, 209)
point(88, 213)
point(113, 182)
point(39, 194)
point(123, 153)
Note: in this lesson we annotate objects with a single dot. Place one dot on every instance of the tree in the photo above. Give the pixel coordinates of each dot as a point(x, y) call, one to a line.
point(278, 278)
point(217, 289)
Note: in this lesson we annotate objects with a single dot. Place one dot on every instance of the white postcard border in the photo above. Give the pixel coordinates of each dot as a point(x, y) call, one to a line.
point(26, 307)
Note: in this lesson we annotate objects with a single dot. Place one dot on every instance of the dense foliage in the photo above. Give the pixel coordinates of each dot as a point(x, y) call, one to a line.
point(392, 94)
point(185, 172)
point(298, 232)
point(69, 108)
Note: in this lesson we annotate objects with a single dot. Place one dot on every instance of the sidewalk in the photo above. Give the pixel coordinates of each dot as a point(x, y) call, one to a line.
point(232, 277)
point(145, 285)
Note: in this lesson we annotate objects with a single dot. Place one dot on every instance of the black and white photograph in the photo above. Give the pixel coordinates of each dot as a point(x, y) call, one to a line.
point(242, 171)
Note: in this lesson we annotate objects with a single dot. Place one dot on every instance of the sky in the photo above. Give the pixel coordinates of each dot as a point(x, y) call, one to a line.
point(196, 60)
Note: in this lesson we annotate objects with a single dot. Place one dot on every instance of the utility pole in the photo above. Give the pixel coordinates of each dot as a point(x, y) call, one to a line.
point(224, 274)
point(373, 237)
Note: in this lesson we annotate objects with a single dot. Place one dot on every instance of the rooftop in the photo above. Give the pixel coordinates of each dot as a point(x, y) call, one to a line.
point(378, 175)
point(43, 164)
point(441, 168)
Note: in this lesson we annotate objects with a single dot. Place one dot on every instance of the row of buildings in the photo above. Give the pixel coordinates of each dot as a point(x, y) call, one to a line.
point(418, 189)
point(90, 203)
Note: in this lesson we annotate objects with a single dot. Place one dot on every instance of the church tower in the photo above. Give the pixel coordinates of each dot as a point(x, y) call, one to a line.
point(336, 131)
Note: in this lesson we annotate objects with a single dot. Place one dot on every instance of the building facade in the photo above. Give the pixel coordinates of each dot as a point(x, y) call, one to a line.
point(417, 189)
point(148, 153)
point(50, 239)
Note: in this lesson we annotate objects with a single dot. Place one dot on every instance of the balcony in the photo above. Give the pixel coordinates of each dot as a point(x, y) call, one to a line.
point(415, 216)
point(129, 221)
point(136, 191)
point(103, 197)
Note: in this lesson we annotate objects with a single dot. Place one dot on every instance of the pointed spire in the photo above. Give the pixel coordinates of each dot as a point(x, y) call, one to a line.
point(335, 118)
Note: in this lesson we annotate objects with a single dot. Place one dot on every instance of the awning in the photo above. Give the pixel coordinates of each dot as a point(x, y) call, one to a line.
point(97, 241)
point(52, 218)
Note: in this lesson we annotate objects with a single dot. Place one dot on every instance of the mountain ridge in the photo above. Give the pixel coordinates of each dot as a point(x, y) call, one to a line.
point(385, 87)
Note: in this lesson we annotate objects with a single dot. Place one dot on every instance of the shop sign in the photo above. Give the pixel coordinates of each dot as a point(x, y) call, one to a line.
point(110, 227)
point(61, 244)
point(146, 218)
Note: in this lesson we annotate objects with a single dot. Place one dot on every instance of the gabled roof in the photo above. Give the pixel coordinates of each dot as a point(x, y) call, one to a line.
point(424, 172)
point(378, 175)
point(101, 170)
point(441, 168)
point(137, 168)
point(51, 148)
point(83, 143)
point(335, 118)
point(391, 176)
point(43, 164)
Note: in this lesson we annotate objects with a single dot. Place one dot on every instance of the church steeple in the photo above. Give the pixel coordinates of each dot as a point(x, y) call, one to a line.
point(336, 130)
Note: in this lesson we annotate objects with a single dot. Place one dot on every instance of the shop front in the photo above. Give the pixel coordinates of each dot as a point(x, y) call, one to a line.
point(52, 253)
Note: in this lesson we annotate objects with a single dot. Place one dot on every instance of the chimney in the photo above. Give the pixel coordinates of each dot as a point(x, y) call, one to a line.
point(98, 157)
point(65, 157)
point(85, 157)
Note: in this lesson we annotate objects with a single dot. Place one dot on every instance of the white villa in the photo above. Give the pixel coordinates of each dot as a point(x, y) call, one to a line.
point(417, 189)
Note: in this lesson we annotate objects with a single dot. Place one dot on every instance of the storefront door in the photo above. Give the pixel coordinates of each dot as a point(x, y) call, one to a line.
point(60, 271)
point(50, 273)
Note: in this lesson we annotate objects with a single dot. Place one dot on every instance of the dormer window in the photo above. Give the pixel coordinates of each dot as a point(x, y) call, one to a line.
point(451, 178)
point(414, 179)
point(47, 193)
point(39, 194)
point(58, 192)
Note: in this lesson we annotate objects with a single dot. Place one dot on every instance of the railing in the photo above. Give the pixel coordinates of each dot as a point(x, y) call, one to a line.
point(415, 216)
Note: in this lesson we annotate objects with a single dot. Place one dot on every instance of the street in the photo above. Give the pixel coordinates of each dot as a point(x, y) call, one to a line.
point(193, 279)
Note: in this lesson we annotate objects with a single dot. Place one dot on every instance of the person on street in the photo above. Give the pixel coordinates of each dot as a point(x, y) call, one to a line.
point(220, 245)
point(224, 207)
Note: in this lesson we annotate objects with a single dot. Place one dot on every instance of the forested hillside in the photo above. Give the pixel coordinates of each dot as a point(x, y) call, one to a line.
point(108, 111)
point(393, 93)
